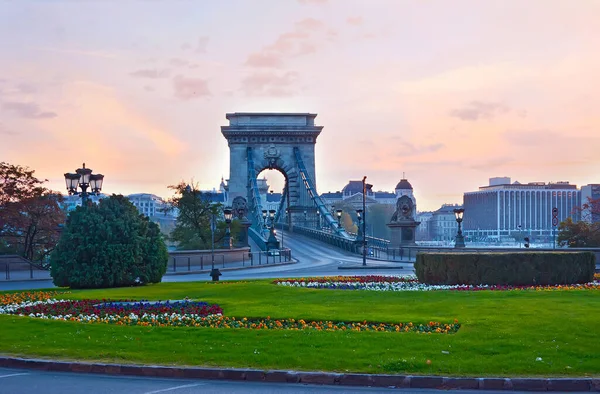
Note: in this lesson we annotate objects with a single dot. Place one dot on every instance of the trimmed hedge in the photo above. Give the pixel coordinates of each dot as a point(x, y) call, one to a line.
point(505, 268)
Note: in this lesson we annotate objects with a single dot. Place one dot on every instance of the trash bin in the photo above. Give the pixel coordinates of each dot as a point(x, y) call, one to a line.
point(215, 273)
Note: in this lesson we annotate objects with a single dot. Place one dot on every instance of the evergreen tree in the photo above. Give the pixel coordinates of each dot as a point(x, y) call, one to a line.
point(108, 245)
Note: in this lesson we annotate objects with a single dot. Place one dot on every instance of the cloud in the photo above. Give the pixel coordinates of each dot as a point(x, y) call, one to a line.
point(190, 88)
point(101, 54)
point(202, 44)
point(312, 1)
point(148, 88)
point(27, 110)
point(151, 73)
point(355, 20)
point(535, 137)
point(476, 110)
point(177, 62)
point(5, 131)
point(302, 40)
point(491, 164)
point(269, 84)
point(309, 24)
point(26, 88)
point(406, 148)
point(264, 59)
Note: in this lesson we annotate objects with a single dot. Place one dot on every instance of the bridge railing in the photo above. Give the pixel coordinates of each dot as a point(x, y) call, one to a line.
point(202, 260)
point(330, 238)
point(15, 267)
point(409, 253)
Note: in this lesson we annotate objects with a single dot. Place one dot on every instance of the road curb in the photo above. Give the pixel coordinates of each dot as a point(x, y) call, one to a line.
point(372, 267)
point(322, 378)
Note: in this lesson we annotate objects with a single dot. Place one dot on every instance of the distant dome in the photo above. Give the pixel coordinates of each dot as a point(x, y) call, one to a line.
point(404, 185)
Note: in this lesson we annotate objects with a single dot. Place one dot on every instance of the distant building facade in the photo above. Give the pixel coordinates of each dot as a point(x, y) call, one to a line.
point(502, 208)
point(69, 203)
point(442, 225)
point(423, 231)
point(352, 194)
point(148, 204)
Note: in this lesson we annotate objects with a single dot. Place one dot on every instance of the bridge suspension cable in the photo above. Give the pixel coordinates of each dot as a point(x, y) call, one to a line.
point(310, 188)
point(254, 200)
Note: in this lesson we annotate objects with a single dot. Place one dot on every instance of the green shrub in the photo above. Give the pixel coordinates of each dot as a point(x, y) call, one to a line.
point(505, 268)
point(108, 245)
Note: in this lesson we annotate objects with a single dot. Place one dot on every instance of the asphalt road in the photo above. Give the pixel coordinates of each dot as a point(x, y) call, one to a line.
point(314, 259)
point(20, 381)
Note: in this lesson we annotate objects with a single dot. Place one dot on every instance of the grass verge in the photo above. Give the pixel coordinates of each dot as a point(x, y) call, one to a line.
point(502, 333)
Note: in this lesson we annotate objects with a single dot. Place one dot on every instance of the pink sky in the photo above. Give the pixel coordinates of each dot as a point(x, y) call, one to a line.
point(449, 92)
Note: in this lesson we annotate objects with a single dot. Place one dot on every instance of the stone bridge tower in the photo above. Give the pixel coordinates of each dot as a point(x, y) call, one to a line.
point(272, 137)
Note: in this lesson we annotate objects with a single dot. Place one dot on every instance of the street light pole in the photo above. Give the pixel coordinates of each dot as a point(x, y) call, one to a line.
point(212, 237)
point(228, 213)
point(460, 240)
point(83, 178)
point(364, 219)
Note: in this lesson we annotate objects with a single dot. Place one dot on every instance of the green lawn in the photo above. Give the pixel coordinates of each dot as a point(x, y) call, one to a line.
point(502, 333)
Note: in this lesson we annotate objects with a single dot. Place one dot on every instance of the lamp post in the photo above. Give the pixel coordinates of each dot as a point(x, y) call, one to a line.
point(339, 217)
point(318, 219)
point(364, 219)
point(305, 218)
point(228, 213)
point(83, 178)
point(460, 240)
point(520, 228)
point(272, 242)
point(214, 272)
point(264, 213)
point(359, 234)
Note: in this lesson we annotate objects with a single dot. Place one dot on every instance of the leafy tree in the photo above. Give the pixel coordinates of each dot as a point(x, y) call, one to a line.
point(108, 245)
point(378, 216)
point(195, 212)
point(583, 233)
point(30, 214)
point(348, 223)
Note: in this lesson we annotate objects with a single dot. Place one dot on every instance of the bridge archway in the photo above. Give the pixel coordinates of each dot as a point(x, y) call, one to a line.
point(260, 141)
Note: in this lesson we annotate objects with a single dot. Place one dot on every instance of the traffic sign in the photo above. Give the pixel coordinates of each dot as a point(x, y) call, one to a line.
point(555, 221)
point(555, 212)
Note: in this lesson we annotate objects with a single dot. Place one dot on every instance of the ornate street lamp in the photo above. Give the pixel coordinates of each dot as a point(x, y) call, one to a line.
point(460, 240)
point(264, 213)
point(305, 218)
point(228, 213)
point(318, 219)
point(84, 178)
point(272, 242)
point(339, 217)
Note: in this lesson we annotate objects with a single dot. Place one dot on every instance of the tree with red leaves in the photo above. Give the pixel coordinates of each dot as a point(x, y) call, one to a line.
point(585, 232)
point(30, 214)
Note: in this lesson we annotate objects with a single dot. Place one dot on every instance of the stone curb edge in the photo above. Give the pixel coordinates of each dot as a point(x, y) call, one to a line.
point(323, 378)
point(371, 267)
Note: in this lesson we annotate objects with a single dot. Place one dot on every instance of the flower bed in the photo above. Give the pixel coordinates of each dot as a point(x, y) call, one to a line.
point(408, 283)
point(183, 314)
point(104, 308)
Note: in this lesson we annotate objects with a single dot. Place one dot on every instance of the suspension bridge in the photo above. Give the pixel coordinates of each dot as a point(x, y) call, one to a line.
point(284, 142)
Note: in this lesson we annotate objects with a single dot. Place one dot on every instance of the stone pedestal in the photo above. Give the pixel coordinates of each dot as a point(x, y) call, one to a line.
point(403, 233)
point(242, 238)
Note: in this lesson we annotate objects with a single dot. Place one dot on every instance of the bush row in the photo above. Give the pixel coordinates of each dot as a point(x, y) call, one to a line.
point(505, 268)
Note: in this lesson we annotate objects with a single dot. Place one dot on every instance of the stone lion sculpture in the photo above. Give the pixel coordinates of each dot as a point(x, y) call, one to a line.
point(404, 209)
point(240, 207)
